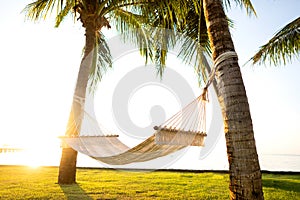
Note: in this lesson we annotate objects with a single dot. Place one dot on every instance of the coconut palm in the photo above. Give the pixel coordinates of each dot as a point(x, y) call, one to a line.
point(94, 15)
point(284, 46)
point(244, 168)
point(125, 15)
point(245, 176)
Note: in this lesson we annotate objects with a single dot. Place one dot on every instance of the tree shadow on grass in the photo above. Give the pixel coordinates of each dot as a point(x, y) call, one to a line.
point(282, 185)
point(75, 192)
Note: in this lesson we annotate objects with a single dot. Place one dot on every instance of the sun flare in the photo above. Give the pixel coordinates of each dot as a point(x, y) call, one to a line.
point(35, 153)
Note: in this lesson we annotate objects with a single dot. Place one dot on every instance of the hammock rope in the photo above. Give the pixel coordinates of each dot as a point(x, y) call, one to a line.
point(186, 128)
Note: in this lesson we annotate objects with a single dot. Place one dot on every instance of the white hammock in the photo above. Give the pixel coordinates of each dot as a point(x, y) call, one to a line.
point(185, 128)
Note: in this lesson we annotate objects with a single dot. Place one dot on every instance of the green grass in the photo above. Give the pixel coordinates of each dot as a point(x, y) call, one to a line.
point(17, 182)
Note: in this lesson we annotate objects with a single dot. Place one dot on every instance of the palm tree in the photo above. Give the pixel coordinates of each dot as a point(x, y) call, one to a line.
point(244, 168)
point(245, 175)
point(94, 15)
point(282, 47)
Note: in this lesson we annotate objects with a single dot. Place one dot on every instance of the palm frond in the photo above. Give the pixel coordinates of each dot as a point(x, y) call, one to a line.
point(282, 47)
point(112, 5)
point(130, 16)
point(133, 29)
point(192, 53)
point(64, 12)
point(162, 40)
point(101, 7)
point(102, 61)
point(194, 43)
point(41, 9)
point(169, 19)
point(132, 19)
point(242, 3)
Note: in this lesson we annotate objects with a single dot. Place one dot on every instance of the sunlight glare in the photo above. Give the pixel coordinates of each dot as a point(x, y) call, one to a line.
point(39, 152)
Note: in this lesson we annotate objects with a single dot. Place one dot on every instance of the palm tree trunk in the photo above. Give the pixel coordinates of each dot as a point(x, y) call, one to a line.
point(67, 167)
point(244, 169)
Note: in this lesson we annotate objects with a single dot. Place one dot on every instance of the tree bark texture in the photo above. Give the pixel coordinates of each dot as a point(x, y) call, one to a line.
point(244, 169)
point(67, 167)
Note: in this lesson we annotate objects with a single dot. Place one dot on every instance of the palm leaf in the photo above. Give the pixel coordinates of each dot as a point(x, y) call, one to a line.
point(242, 3)
point(192, 53)
point(284, 45)
point(186, 21)
point(132, 28)
point(42, 9)
point(168, 18)
point(162, 40)
point(102, 61)
point(64, 12)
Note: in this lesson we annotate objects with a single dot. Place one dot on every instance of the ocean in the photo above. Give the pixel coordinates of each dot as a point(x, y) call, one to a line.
point(268, 162)
point(280, 162)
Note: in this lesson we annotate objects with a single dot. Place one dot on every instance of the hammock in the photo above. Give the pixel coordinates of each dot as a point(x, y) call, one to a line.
point(185, 128)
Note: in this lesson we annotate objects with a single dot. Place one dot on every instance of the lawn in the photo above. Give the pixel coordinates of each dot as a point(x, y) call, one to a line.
point(18, 182)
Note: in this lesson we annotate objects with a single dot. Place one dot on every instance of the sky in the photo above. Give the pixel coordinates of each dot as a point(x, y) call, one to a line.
point(39, 65)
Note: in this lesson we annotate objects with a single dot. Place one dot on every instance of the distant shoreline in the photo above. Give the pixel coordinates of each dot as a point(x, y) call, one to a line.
point(10, 149)
point(166, 170)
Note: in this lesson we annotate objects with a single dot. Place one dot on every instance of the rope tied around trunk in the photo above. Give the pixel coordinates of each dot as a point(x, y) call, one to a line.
point(224, 56)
